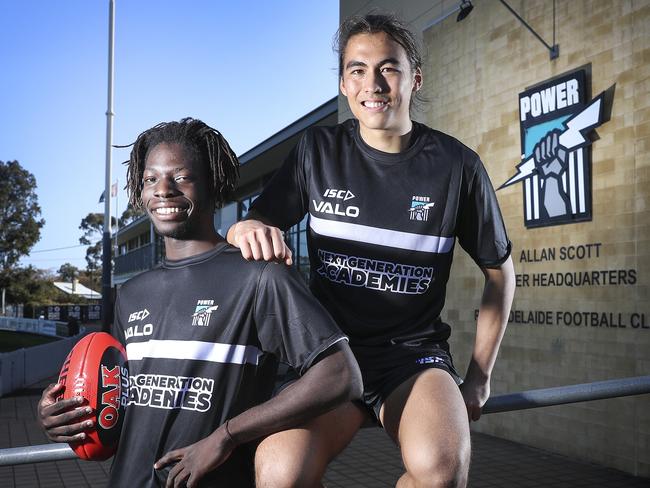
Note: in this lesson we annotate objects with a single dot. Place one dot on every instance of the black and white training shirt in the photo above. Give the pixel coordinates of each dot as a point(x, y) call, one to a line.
point(382, 226)
point(203, 336)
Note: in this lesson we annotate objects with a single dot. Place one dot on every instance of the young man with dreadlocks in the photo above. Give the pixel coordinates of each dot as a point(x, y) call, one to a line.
point(201, 377)
point(387, 197)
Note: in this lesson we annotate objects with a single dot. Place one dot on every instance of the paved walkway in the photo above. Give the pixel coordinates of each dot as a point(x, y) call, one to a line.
point(370, 461)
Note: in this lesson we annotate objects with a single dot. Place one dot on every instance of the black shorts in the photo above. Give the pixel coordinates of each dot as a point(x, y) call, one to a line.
point(385, 367)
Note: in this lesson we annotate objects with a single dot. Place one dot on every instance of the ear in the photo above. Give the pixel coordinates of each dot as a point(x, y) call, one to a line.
point(342, 87)
point(417, 79)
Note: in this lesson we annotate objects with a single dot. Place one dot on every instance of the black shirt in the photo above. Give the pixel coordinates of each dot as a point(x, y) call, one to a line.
point(382, 226)
point(203, 336)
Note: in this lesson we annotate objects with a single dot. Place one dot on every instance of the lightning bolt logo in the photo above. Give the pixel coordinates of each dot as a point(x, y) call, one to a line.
point(572, 138)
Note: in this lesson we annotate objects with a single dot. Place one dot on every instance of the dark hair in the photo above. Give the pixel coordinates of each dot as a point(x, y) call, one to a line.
point(204, 142)
point(373, 24)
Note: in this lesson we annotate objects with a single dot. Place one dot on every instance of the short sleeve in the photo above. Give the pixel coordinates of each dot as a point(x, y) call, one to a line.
point(291, 323)
point(285, 200)
point(480, 228)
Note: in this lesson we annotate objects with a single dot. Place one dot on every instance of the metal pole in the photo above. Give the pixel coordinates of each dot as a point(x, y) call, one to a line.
point(3, 254)
point(106, 238)
point(553, 50)
point(36, 454)
point(544, 397)
point(561, 395)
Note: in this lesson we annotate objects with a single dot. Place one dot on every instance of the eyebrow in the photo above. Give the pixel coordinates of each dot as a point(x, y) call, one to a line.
point(178, 169)
point(353, 63)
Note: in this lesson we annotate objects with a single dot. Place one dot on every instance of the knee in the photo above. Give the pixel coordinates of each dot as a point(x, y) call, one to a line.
point(285, 472)
point(448, 469)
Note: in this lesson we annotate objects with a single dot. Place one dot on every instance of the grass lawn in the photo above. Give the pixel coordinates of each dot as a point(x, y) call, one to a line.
point(10, 341)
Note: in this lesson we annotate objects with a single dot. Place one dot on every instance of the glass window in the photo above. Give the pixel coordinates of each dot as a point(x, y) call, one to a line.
point(302, 261)
point(228, 217)
point(245, 205)
point(296, 239)
point(132, 244)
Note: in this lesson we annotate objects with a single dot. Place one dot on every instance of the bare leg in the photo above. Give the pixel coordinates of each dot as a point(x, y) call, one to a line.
point(427, 418)
point(299, 457)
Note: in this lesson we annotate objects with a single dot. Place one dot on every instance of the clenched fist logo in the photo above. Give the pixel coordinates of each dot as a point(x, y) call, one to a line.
point(551, 163)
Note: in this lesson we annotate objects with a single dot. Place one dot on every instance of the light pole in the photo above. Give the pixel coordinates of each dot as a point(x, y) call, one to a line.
point(106, 238)
point(3, 257)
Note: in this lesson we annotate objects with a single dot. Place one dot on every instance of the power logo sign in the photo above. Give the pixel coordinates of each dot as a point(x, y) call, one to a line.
point(556, 123)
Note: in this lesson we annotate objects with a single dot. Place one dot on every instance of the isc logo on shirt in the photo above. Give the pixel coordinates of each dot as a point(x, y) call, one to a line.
point(337, 208)
point(340, 194)
point(142, 314)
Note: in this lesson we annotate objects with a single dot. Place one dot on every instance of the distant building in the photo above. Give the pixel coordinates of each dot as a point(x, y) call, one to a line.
point(77, 289)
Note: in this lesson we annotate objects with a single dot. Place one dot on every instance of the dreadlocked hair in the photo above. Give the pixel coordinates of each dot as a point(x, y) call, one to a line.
point(201, 140)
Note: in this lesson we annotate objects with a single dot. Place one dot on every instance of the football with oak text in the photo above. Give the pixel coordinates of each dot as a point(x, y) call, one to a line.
point(96, 370)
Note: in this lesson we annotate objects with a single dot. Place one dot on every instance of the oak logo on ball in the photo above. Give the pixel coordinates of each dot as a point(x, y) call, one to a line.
point(112, 396)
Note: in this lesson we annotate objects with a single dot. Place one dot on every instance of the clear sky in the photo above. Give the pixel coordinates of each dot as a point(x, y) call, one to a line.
point(247, 68)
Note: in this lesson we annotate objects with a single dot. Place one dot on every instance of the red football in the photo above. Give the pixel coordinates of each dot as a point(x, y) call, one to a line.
point(96, 370)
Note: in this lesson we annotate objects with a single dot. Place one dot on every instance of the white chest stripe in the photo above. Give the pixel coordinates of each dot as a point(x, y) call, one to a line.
point(197, 350)
point(381, 237)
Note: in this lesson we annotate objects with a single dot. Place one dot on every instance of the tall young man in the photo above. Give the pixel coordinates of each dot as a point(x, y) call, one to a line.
point(380, 264)
point(201, 377)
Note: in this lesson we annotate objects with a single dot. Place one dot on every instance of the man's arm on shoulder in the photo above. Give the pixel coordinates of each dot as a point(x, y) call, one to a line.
point(259, 240)
point(490, 328)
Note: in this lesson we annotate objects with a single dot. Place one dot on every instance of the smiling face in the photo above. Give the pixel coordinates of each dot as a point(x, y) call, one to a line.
point(175, 192)
point(379, 82)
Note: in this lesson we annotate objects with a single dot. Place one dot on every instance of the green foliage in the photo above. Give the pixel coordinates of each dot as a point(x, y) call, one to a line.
point(20, 225)
point(130, 214)
point(33, 286)
point(91, 279)
point(94, 257)
point(68, 272)
point(92, 226)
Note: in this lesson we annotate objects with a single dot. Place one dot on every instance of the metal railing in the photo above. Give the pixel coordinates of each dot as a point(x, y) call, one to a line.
point(139, 259)
point(524, 400)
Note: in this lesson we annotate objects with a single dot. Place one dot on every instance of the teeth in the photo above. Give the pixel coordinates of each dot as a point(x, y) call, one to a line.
point(374, 104)
point(168, 210)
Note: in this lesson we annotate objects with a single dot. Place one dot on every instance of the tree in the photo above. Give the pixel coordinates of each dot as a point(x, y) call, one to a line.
point(32, 286)
point(68, 272)
point(130, 214)
point(92, 226)
point(20, 225)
